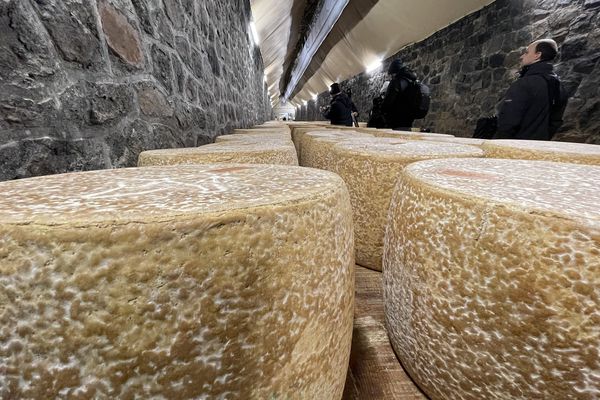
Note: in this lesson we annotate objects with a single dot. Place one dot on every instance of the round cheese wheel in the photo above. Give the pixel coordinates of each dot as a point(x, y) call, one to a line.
point(458, 140)
point(315, 146)
point(254, 152)
point(298, 133)
point(192, 281)
point(255, 137)
point(370, 170)
point(578, 153)
point(283, 132)
point(492, 278)
point(409, 135)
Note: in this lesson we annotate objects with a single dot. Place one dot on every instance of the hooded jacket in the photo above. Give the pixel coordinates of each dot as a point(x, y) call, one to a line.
point(340, 110)
point(396, 104)
point(527, 112)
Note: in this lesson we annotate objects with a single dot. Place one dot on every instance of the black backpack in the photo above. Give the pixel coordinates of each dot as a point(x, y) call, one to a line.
point(486, 127)
point(419, 98)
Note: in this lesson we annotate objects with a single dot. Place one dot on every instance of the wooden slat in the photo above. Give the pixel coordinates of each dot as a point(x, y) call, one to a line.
point(374, 371)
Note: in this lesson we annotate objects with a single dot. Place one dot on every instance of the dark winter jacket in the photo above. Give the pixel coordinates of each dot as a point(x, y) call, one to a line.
point(526, 112)
point(396, 104)
point(340, 110)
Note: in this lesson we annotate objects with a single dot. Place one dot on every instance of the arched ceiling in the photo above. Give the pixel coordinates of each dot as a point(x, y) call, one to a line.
point(344, 38)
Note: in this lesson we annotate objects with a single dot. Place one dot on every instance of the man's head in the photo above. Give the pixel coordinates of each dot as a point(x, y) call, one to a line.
point(395, 66)
point(540, 50)
point(335, 89)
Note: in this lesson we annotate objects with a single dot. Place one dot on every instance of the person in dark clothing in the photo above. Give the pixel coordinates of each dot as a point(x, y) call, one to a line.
point(353, 108)
point(534, 105)
point(396, 103)
point(340, 108)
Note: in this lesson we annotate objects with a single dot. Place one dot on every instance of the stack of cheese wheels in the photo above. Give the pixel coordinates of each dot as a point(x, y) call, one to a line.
point(315, 146)
point(408, 134)
point(492, 278)
point(203, 281)
point(578, 153)
point(253, 152)
point(370, 170)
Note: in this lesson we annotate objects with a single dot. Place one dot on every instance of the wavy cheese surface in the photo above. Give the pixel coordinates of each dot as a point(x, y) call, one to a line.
point(577, 153)
point(370, 168)
point(203, 281)
point(248, 151)
point(492, 278)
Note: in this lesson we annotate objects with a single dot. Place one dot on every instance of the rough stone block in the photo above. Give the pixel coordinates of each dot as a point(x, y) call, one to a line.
point(121, 37)
point(109, 102)
point(72, 26)
point(162, 69)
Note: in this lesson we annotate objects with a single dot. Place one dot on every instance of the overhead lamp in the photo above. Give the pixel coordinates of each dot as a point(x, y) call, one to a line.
point(375, 66)
point(315, 97)
point(254, 32)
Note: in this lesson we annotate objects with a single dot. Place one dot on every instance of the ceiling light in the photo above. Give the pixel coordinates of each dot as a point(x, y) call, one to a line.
point(254, 32)
point(375, 66)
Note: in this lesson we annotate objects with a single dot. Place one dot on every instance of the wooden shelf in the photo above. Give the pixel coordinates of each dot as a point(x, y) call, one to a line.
point(375, 372)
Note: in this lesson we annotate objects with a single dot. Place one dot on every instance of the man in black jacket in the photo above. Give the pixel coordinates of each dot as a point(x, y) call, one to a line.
point(396, 107)
point(534, 105)
point(340, 108)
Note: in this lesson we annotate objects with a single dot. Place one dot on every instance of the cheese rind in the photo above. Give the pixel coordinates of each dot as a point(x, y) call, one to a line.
point(315, 146)
point(248, 151)
point(408, 135)
point(577, 153)
point(491, 278)
point(176, 282)
point(370, 168)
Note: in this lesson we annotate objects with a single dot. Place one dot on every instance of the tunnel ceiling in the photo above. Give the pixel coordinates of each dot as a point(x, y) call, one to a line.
point(308, 44)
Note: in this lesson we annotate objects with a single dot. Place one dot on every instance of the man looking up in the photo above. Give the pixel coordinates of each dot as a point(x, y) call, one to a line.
point(534, 104)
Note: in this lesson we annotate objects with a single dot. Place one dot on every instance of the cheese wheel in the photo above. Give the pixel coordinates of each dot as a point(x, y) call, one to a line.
point(203, 281)
point(299, 132)
point(578, 153)
point(285, 132)
point(315, 146)
point(253, 152)
point(458, 140)
point(370, 170)
point(408, 134)
point(255, 137)
point(492, 278)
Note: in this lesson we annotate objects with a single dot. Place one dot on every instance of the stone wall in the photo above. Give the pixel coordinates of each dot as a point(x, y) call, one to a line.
point(89, 84)
point(470, 64)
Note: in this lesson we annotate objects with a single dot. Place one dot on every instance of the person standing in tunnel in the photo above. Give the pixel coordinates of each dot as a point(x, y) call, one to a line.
point(533, 105)
point(339, 111)
point(397, 107)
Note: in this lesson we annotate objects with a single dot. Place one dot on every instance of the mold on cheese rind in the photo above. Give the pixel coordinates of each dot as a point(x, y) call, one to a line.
point(246, 290)
point(491, 278)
